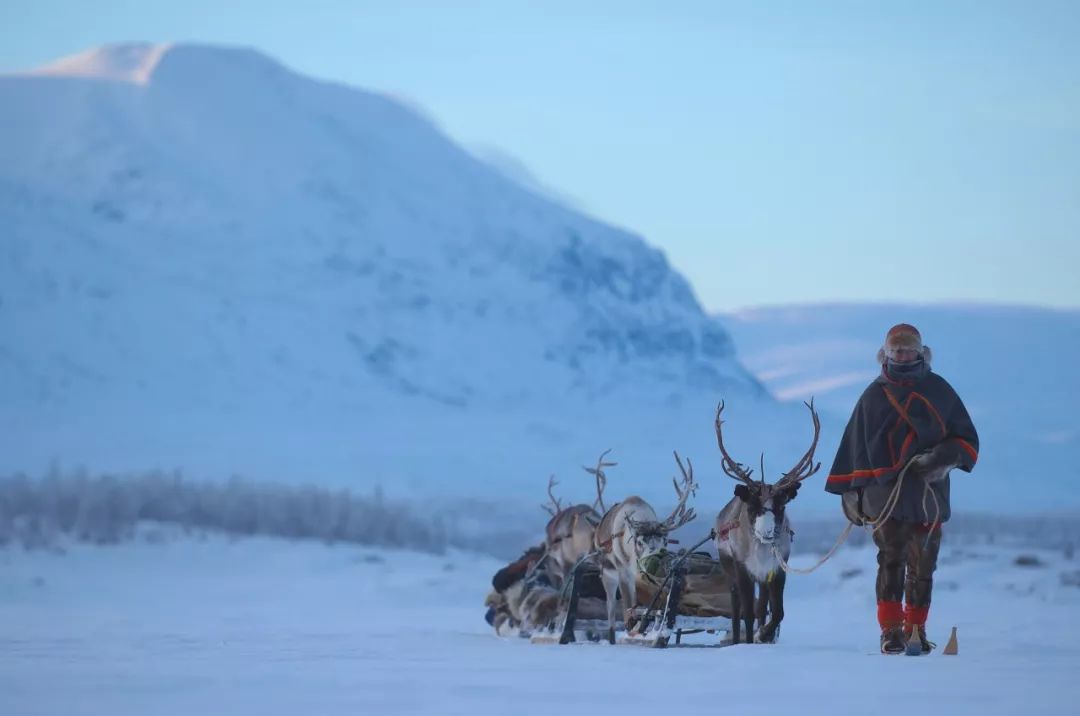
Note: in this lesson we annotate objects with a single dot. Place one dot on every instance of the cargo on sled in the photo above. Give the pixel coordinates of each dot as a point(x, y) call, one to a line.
point(678, 594)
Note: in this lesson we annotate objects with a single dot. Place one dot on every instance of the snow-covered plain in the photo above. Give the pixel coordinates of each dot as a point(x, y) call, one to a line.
point(263, 626)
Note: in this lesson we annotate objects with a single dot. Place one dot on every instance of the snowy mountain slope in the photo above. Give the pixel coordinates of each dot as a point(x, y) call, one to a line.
point(212, 262)
point(239, 176)
point(1011, 365)
point(263, 626)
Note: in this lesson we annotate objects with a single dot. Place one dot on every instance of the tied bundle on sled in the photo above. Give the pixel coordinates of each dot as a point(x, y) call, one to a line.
point(707, 592)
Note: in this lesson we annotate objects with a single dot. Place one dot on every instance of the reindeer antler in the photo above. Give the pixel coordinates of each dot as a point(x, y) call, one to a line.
point(731, 468)
point(601, 479)
point(805, 467)
point(552, 482)
point(680, 515)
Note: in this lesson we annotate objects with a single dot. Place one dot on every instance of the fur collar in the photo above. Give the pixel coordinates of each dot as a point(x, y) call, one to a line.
point(926, 355)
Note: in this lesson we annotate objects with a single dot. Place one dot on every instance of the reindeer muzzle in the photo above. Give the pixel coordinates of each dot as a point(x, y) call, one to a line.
point(765, 528)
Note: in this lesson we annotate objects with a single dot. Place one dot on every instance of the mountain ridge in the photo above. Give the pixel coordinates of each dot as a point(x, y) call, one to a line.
point(235, 267)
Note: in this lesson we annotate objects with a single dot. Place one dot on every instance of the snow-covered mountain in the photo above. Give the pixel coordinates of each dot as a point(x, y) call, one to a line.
point(1011, 365)
point(209, 261)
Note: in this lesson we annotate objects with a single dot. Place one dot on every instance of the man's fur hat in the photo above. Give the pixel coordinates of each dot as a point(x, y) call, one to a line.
point(903, 335)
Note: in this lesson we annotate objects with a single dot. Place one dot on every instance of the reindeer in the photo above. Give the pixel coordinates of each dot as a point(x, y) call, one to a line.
point(630, 532)
point(569, 532)
point(752, 530)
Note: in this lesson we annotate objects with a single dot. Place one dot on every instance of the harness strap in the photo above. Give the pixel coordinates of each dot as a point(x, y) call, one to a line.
point(725, 529)
point(788, 568)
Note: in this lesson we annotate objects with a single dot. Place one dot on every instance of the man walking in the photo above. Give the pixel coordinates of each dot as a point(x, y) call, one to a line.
point(908, 430)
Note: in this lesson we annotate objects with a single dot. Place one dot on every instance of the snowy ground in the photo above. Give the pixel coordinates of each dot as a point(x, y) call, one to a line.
point(262, 626)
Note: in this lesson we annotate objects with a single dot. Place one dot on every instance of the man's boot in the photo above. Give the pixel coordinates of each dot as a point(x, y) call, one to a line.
point(915, 639)
point(891, 620)
point(892, 640)
point(915, 629)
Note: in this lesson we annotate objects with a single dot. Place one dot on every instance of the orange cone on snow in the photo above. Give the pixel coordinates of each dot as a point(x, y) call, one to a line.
point(951, 648)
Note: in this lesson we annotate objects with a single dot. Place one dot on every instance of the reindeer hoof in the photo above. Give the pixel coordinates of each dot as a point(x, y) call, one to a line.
point(764, 636)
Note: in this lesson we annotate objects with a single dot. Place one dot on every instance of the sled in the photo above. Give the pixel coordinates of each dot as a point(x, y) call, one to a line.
point(678, 594)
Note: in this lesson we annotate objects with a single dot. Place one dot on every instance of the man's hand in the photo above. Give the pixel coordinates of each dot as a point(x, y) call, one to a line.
point(933, 465)
point(937, 474)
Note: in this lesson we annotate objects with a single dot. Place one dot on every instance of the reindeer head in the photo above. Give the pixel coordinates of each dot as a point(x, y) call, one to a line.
point(765, 502)
point(652, 536)
point(765, 507)
point(649, 537)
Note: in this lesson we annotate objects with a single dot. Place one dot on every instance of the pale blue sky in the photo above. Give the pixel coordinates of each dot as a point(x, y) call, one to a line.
point(777, 151)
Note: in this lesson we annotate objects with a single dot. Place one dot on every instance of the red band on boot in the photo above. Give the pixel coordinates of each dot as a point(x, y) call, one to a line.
point(890, 614)
point(916, 615)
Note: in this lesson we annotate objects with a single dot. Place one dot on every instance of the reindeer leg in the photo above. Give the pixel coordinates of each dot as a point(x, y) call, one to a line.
point(571, 609)
point(761, 607)
point(746, 590)
point(776, 606)
point(736, 606)
point(611, 590)
point(629, 592)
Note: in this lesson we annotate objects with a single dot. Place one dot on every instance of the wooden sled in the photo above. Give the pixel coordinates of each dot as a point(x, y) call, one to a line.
point(679, 594)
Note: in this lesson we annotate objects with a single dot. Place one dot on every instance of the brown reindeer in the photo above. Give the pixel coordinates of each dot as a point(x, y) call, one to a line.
point(751, 530)
point(569, 532)
point(629, 533)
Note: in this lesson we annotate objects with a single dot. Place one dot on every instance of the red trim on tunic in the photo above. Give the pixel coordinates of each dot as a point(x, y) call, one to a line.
point(968, 448)
point(861, 473)
point(875, 472)
point(899, 459)
point(933, 410)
